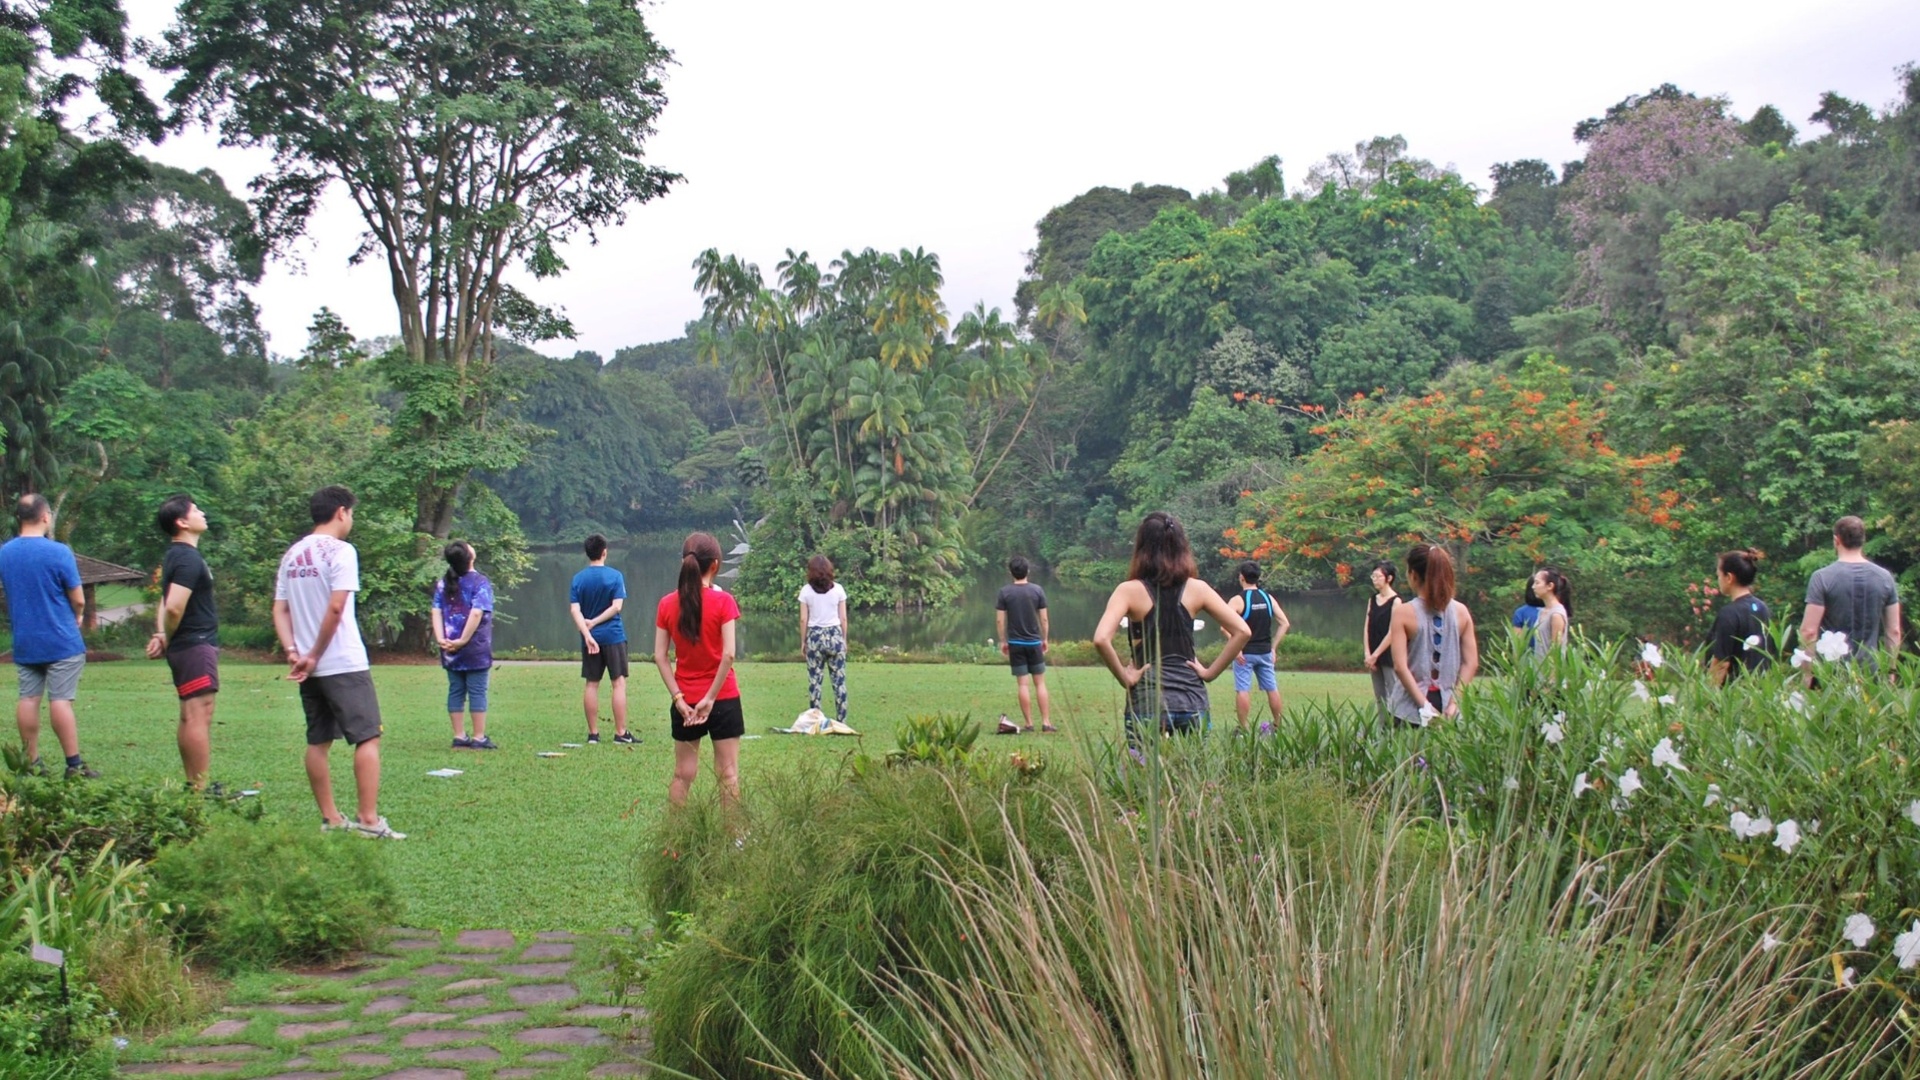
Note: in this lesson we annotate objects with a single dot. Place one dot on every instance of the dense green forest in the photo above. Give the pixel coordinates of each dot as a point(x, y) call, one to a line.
point(1699, 335)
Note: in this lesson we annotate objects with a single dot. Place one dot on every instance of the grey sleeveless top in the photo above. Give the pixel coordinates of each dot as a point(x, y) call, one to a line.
point(1434, 658)
point(1542, 631)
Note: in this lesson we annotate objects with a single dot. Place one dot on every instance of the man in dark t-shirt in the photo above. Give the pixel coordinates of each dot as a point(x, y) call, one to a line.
point(1020, 616)
point(187, 632)
point(1853, 598)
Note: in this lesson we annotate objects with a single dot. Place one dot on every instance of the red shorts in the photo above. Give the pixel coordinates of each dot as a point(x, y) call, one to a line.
point(196, 670)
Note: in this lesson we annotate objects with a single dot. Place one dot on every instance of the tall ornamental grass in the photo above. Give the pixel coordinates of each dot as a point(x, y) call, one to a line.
point(1176, 953)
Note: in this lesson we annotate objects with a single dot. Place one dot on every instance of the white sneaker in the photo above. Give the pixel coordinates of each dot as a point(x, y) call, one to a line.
point(327, 827)
point(379, 830)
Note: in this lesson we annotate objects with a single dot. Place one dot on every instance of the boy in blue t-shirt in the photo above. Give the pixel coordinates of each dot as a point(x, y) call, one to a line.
point(596, 597)
point(44, 603)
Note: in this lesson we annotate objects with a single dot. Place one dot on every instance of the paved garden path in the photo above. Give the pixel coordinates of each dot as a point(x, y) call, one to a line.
point(481, 1004)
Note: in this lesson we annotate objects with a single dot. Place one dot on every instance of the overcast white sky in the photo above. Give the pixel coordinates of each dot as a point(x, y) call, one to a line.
point(833, 124)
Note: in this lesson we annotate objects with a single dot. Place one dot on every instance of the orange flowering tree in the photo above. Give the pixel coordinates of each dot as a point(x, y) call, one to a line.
point(1510, 472)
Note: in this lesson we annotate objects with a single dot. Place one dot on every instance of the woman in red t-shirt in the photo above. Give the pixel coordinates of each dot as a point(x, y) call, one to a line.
point(698, 619)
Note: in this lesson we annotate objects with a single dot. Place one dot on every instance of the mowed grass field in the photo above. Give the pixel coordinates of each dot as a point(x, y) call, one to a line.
point(530, 843)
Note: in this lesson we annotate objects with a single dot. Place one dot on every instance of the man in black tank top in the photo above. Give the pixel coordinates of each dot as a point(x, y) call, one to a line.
point(1255, 664)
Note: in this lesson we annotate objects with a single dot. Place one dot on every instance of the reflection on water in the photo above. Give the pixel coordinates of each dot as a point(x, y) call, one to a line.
point(536, 614)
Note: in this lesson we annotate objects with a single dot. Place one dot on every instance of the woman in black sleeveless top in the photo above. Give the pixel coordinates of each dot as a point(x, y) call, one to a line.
point(1379, 621)
point(1165, 683)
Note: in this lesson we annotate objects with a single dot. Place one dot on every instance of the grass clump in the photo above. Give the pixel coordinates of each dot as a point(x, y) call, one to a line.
point(45, 1035)
point(48, 820)
point(248, 896)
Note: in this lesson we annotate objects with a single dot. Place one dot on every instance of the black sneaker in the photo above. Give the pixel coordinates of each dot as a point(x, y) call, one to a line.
point(625, 737)
point(593, 738)
point(462, 743)
point(81, 772)
point(483, 743)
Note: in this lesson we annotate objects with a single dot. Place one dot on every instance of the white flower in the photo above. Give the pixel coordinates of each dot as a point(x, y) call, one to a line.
point(1859, 929)
point(1123, 622)
point(1199, 624)
point(1511, 784)
point(1768, 942)
point(1640, 691)
point(1428, 714)
point(1797, 701)
point(1753, 642)
point(1833, 645)
point(1906, 947)
point(1630, 783)
point(1801, 658)
point(1594, 899)
point(1668, 699)
point(1913, 811)
point(1553, 732)
point(1746, 828)
point(1846, 979)
point(1713, 795)
point(1580, 785)
point(1666, 757)
point(1787, 835)
point(1650, 655)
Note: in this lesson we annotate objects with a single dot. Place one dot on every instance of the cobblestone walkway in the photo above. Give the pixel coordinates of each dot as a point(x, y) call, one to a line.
point(479, 1004)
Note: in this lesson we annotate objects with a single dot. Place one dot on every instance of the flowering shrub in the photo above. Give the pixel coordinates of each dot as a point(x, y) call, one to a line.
point(1755, 796)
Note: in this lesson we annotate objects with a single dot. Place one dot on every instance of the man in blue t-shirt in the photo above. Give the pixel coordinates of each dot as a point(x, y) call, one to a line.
point(596, 597)
point(44, 603)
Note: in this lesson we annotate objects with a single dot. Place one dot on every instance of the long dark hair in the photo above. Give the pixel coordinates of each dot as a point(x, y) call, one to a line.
point(459, 560)
point(820, 573)
point(1434, 567)
point(1161, 555)
point(698, 554)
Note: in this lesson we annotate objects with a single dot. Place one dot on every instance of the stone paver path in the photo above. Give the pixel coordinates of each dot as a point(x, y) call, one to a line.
point(477, 1005)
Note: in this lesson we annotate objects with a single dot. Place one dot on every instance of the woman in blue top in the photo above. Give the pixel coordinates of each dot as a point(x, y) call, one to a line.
point(463, 625)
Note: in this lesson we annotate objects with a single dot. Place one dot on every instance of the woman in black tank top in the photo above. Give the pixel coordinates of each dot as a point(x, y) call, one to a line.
point(1165, 682)
point(1377, 629)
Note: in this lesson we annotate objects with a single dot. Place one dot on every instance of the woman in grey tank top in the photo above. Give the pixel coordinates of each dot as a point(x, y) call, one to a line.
point(1435, 653)
point(1555, 627)
point(1165, 682)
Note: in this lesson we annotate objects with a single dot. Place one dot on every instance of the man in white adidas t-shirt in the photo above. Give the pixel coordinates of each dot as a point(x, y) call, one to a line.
point(313, 614)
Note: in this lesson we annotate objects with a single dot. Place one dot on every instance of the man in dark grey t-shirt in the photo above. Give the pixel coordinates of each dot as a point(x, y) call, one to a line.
point(1854, 597)
point(1020, 617)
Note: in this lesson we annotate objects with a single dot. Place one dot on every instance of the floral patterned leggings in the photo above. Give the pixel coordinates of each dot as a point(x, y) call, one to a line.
point(827, 655)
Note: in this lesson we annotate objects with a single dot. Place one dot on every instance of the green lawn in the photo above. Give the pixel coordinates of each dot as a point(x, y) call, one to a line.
point(531, 843)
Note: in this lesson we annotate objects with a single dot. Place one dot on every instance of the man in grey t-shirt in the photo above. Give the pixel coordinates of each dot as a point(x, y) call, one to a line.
point(1853, 596)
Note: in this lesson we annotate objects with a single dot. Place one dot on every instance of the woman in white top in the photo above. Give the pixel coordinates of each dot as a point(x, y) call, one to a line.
point(1556, 611)
point(823, 628)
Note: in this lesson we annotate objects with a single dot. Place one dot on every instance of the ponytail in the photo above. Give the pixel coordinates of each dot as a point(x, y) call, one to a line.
point(459, 560)
point(1431, 564)
point(697, 556)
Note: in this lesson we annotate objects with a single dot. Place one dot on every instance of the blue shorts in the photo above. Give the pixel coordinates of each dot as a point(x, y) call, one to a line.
point(467, 690)
point(1247, 667)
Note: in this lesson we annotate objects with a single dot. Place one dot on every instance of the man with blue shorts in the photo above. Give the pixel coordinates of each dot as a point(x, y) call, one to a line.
point(1020, 617)
point(44, 603)
point(1255, 663)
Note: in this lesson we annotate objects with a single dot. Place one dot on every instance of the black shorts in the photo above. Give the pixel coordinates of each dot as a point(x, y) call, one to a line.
point(340, 706)
point(610, 661)
point(196, 670)
point(1026, 660)
point(726, 721)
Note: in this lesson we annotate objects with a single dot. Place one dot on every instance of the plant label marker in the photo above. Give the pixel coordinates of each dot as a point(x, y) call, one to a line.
point(444, 773)
point(551, 753)
point(47, 954)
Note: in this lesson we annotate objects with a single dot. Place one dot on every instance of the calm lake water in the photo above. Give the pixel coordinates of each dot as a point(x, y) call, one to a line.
point(536, 614)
